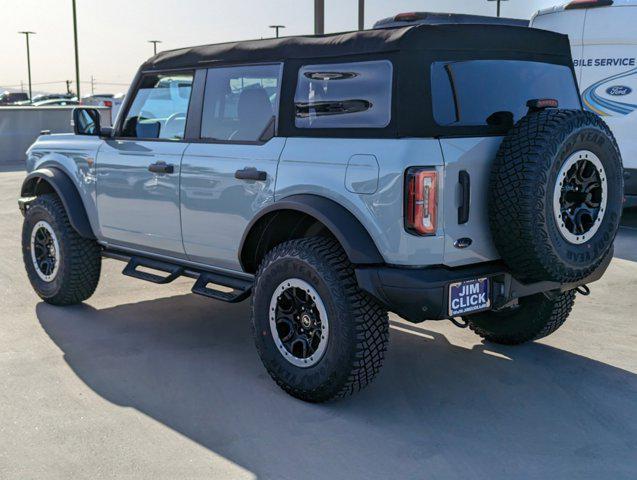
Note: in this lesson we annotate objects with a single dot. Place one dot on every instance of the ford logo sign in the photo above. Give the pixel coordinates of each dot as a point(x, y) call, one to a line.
point(618, 90)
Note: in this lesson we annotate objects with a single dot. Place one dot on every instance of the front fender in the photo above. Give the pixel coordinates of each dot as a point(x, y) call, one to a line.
point(51, 178)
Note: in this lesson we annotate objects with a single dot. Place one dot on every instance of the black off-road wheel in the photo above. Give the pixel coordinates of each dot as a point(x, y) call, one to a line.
point(556, 195)
point(535, 317)
point(63, 267)
point(318, 335)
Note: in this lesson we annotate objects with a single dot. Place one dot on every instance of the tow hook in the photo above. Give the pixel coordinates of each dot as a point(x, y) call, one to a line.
point(583, 290)
point(459, 322)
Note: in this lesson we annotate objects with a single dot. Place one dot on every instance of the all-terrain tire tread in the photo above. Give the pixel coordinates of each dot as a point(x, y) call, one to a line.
point(518, 189)
point(370, 319)
point(537, 319)
point(84, 262)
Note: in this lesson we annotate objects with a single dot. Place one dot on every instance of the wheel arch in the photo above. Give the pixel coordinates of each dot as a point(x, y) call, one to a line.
point(54, 180)
point(304, 215)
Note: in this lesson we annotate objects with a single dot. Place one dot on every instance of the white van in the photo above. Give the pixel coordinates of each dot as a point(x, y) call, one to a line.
point(604, 45)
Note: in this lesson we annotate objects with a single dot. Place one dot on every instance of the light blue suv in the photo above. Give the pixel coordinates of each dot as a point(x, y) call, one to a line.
point(436, 171)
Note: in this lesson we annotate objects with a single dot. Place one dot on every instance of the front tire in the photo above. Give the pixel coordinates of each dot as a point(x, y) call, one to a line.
point(535, 317)
point(305, 290)
point(63, 267)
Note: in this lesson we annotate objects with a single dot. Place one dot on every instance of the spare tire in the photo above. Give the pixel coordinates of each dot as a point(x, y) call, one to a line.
point(556, 195)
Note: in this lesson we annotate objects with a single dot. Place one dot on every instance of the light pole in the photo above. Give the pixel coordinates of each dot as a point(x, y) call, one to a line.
point(361, 14)
point(26, 34)
point(319, 17)
point(154, 42)
point(77, 54)
point(498, 4)
point(277, 28)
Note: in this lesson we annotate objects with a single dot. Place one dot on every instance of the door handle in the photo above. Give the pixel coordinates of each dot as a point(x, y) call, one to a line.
point(161, 167)
point(251, 174)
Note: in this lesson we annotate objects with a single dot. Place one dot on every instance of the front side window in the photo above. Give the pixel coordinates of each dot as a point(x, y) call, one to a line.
point(495, 92)
point(344, 95)
point(241, 103)
point(160, 107)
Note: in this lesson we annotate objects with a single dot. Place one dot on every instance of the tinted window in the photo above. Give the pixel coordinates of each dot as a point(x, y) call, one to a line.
point(495, 92)
point(160, 107)
point(344, 95)
point(240, 103)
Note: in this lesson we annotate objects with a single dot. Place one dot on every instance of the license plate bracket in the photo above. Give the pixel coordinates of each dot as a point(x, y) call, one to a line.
point(469, 296)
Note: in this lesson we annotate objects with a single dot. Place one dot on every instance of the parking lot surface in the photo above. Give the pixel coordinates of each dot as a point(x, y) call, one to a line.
point(147, 381)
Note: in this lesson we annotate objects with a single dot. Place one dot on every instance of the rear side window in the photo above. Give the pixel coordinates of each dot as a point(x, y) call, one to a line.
point(240, 103)
point(344, 95)
point(495, 92)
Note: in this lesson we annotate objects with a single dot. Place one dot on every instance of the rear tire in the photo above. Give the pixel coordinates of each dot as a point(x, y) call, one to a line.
point(63, 267)
point(536, 317)
point(306, 289)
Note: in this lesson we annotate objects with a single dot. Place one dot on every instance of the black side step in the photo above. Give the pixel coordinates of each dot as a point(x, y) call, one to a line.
point(241, 288)
point(172, 271)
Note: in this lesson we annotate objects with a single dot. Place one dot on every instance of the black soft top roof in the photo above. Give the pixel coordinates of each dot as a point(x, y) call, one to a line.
point(411, 49)
point(467, 38)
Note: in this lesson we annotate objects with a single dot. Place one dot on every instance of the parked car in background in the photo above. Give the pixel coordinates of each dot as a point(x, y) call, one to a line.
point(99, 100)
point(57, 101)
point(10, 98)
point(118, 101)
point(53, 96)
point(604, 48)
point(45, 97)
point(114, 101)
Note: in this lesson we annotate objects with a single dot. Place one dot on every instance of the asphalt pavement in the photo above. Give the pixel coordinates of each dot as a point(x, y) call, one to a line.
point(151, 382)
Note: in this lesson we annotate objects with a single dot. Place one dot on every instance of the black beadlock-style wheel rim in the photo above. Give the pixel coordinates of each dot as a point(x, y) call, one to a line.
point(299, 323)
point(45, 251)
point(580, 196)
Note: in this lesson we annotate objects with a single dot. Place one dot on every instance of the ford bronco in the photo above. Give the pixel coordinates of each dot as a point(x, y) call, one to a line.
point(435, 171)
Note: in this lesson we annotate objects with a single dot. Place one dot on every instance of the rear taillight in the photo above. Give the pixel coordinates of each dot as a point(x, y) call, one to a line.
point(107, 103)
point(421, 201)
point(588, 4)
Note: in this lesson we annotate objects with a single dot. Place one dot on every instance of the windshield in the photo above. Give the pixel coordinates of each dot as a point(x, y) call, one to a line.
point(495, 92)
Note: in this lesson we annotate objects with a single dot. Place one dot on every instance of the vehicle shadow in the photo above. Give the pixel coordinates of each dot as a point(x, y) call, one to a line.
point(436, 410)
point(626, 241)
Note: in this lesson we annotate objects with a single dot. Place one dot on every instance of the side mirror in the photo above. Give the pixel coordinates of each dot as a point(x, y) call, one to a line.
point(86, 121)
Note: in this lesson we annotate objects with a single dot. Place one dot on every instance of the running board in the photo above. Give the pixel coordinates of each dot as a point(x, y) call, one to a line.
point(218, 285)
point(172, 271)
point(237, 289)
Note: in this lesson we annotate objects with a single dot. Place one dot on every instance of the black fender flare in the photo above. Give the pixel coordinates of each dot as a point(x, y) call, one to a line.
point(346, 228)
point(66, 190)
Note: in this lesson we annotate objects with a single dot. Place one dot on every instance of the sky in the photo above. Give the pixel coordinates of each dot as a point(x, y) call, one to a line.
point(114, 34)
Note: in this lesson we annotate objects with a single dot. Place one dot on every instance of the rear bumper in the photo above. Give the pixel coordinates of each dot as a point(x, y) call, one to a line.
point(419, 294)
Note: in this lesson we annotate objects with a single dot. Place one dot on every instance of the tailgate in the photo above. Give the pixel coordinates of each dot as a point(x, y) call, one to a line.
point(474, 156)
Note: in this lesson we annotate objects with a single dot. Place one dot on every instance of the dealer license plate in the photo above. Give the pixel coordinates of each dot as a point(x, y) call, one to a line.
point(469, 296)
